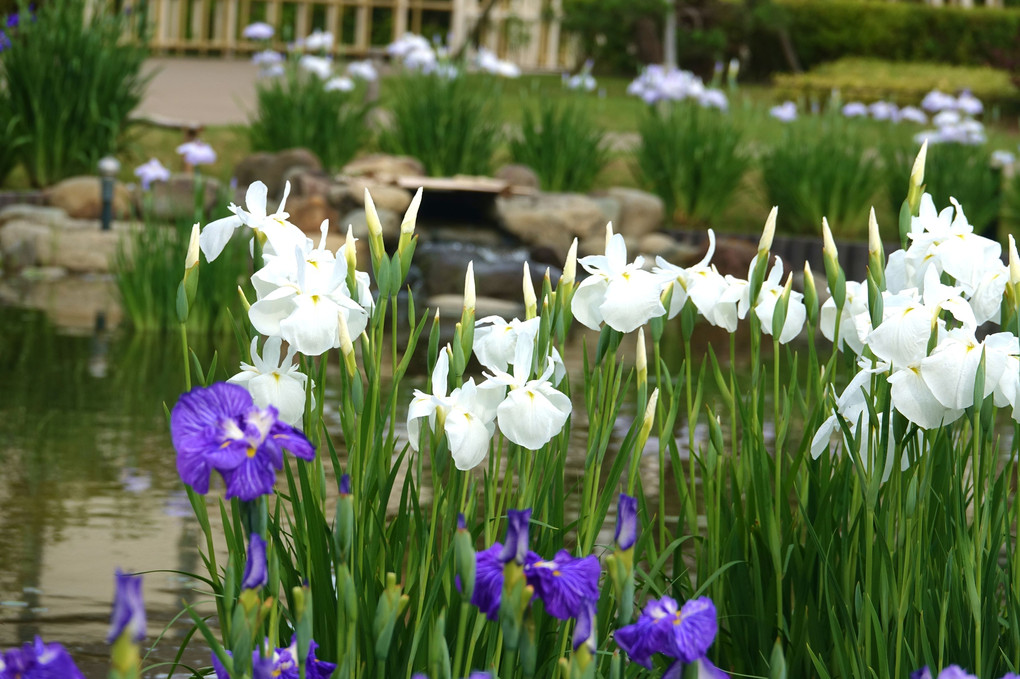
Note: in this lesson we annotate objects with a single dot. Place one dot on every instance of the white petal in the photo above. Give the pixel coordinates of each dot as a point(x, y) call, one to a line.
point(911, 396)
point(587, 300)
point(469, 438)
point(215, 236)
point(531, 416)
point(631, 300)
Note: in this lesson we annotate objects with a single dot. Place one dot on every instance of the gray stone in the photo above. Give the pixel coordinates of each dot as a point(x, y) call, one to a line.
point(450, 306)
point(389, 220)
point(384, 196)
point(273, 168)
point(172, 200)
point(307, 213)
point(497, 274)
point(519, 176)
point(551, 220)
point(663, 245)
point(51, 216)
point(306, 182)
point(384, 167)
point(641, 212)
point(78, 246)
point(81, 198)
point(611, 208)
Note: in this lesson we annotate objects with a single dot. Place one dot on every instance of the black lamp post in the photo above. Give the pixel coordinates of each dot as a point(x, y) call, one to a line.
point(108, 169)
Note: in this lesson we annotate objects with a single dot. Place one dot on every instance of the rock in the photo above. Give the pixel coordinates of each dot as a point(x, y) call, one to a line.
point(342, 198)
point(273, 168)
point(73, 303)
point(497, 275)
point(305, 182)
point(641, 212)
point(611, 208)
point(663, 245)
point(172, 200)
point(24, 244)
point(384, 196)
point(519, 176)
point(389, 220)
point(33, 213)
point(307, 213)
point(385, 168)
point(81, 198)
point(254, 167)
point(450, 306)
point(551, 220)
point(732, 255)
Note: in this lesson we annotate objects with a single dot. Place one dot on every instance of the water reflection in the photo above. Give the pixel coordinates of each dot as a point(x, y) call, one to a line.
point(88, 485)
point(89, 482)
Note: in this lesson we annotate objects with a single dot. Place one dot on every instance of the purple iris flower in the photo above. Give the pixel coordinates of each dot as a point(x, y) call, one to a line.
point(626, 523)
point(584, 630)
point(681, 633)
point(345, 484)
point(219, 427)
point(5, 42)
point(564, 584)
point(256, 574)
point(282, 664)
point(516, 546)
point(152, 171)
point(951, 672)
point(38, 660)
point(13, 20)
point(128, 608)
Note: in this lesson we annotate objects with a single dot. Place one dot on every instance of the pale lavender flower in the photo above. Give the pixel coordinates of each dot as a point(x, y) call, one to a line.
point(267, 58)
point(320, 66)
point(914, 115)
point(197, 153)
point(883, 110)
point(259, 30)
point(785, 112)
point(936, 101)
point(363, 70)
point(855, 109)
point(152, 171)
point(340, 83)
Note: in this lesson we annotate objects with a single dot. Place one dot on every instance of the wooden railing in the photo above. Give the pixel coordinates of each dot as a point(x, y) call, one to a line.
point(525, 31)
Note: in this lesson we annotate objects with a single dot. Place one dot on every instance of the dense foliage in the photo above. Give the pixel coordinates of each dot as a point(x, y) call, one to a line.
point(72, 83)
point(562, 144)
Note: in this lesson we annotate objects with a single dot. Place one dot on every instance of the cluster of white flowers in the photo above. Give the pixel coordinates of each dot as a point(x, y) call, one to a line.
point(884, 110)
point(418, 54)
point(656, 83)
point(625, 296)
point(518, 393)
point(306, 296)
point(925, 344)
point(785, 112)
point(954, 119)
point(583, 80)
point(487, 61)
point(312, 54)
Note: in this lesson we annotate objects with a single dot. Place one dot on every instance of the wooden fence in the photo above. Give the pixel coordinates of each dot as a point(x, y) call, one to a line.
point(524, 31)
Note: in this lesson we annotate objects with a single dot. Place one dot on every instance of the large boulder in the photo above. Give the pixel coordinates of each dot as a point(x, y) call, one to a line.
point(519, 176)
point(551, 220)
point(273, 168)
point(358, 221)
point(641, 213)
point(175, 199)
point(385, 168)
point(77, 246)
point(384, 196)
point(307, 213)
point(82, 198)
point(443, 265)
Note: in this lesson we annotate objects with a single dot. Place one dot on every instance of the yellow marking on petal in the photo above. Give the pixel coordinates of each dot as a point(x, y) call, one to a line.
point(224, 444)
point(277, 376)
point(315, 299)
point(251, 451)
point(557, 573)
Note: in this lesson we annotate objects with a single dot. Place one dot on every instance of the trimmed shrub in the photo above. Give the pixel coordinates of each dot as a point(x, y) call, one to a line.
point(827, 30)
point(866, 79)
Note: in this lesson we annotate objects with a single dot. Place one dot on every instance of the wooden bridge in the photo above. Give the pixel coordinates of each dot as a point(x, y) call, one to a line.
point(525, 31)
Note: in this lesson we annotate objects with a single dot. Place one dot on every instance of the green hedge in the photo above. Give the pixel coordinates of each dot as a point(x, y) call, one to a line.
point(826, 30)
point(867, 79)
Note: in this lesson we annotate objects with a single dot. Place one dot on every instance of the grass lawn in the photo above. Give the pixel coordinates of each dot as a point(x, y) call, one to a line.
point(615, 111)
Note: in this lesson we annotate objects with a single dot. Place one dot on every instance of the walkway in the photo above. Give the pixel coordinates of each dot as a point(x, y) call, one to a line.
point(205, 91)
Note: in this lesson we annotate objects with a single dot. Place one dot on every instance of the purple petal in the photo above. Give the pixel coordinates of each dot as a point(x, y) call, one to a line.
point(488, 581)
point(345, 484)
point(626, 523)
point(256, 574)
point(128, 608)
point(250, 480)
point(696, 629)
point(292, 440)
point(38, 659)
point(516, 546)
point(584, 630)
point(565, 583)
point(636, 641)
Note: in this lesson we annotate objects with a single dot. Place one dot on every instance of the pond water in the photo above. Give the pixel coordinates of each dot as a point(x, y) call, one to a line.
point(89, 485)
